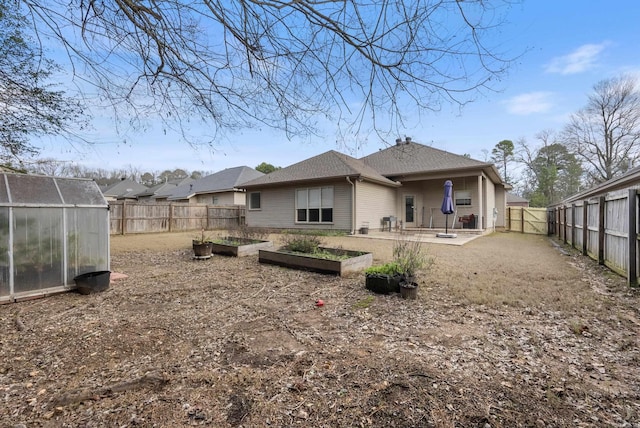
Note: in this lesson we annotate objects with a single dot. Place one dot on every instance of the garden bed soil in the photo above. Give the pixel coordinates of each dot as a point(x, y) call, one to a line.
point(239, 247)
point(506, 331)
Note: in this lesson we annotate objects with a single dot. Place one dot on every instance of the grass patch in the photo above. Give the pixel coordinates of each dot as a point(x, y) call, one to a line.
point(364, 303)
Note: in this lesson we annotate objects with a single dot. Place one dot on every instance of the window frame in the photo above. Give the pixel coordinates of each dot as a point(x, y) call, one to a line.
point(251, 207)
point(462, 198)
point(320, 207)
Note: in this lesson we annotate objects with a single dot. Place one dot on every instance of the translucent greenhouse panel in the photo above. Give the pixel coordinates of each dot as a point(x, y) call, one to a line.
point(4, 197)
point(37, 248)
point(80, 192)
point(33, 189)
point(4, 252)
point(87, 241)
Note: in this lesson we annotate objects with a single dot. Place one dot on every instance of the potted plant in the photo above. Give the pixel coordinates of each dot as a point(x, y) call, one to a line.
point(384, 278)
point(202, 246)
point(400, 275)
point(412, 259)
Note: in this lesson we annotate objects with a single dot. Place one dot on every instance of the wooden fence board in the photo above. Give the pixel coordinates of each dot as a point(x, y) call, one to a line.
point(603, 228)
point(528, 220)
point(134, 217)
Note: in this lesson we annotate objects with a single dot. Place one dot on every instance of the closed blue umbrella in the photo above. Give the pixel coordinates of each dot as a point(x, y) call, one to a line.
point(447, 203)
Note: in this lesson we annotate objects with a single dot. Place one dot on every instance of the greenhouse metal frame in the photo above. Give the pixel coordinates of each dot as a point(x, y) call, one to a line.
point(52, 229)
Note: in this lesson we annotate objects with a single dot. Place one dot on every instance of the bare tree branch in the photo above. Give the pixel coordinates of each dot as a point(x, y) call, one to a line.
point(283, 64)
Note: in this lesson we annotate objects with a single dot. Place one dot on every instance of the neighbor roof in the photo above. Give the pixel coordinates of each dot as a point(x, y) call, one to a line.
point(512, 198)
point(164, 190)
point(124, 188)
point(222, 181)
point(410, 157)
point(324, 166)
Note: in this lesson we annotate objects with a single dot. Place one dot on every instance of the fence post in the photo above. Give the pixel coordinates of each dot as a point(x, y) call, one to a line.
point(632, 274)
point(564, 224)
point(573, 225)
point(170, 216)
point(124, 210)
point(601, 228)
point(521, 219)
point(585, 226)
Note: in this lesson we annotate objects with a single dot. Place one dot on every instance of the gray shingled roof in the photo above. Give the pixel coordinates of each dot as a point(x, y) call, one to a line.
point(512, 198)
point(124, 188)
point(407, 158)
point(164, 190)
point(327, 165)
point(222, 181)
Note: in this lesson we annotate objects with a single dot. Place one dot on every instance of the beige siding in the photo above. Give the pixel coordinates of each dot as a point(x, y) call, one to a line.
point(222, 198)
point(277, 208)
point(429, 194)
point(373, 203)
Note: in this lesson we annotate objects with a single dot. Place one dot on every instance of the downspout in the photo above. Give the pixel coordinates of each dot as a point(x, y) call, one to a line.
point(353, 205)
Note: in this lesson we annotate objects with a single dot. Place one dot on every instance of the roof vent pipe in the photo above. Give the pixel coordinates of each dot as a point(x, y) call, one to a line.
point(398, 141)
point(407, 139)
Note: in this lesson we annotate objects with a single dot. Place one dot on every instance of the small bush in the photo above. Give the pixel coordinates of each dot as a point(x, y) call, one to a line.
point(391, 268)
point(301, 243)
point(246, 232)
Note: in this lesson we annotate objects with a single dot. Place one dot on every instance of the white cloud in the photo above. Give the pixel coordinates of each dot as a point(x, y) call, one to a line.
point(529, 103)
point(578, 61)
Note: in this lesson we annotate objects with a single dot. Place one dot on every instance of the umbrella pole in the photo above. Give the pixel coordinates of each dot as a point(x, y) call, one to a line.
point(446, 223)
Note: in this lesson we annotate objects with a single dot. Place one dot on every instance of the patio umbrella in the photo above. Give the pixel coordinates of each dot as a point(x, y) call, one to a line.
point(447, 203)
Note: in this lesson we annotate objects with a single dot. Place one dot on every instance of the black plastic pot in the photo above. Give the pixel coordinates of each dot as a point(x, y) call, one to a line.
point(93, 282)
point(382, 283)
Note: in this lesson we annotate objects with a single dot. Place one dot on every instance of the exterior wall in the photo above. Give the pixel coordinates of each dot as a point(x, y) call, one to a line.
point(432, 195)
point(490, 205)
point(277, 208)
point(501, 205)
point(222, 198)
point(373, 203)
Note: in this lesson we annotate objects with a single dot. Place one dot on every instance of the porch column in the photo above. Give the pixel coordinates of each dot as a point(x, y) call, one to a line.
point(479, 221)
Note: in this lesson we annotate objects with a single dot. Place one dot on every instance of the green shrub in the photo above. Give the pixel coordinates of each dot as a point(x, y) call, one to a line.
point(301, 243)
point(391, 268)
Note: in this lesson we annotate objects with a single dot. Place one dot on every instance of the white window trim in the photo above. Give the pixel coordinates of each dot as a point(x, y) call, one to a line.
point(462, 195)
point(307, 189)
point(250, 207)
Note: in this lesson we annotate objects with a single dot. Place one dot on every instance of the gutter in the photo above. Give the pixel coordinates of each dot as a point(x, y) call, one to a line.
point(353, 205)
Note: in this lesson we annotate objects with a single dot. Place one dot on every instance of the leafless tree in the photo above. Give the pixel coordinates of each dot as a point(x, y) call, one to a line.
point(291, 65)
point(606, 133)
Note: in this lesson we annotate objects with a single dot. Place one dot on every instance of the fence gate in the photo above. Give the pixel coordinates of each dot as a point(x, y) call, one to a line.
point(527, 220)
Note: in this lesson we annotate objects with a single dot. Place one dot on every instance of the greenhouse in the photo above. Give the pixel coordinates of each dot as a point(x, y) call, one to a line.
point(52, 229)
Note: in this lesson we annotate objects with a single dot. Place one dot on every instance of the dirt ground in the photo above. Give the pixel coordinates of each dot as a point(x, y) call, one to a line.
point(508, 330)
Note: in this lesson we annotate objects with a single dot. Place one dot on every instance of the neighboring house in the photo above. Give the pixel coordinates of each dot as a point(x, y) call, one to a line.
point(222, 188)
point(124, 189)
point(516, 201)
point(404, 183)
point(160, 192)
point(628, 180)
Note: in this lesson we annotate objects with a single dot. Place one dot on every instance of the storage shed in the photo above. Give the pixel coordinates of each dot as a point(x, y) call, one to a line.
point(51, 230)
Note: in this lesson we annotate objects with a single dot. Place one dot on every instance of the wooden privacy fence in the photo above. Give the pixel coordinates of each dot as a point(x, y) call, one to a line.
point(134, 217)
point(603, 228)
point(527, 220)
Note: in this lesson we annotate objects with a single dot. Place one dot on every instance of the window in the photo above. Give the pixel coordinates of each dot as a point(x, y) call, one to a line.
point(463, 198)
point(254, 200)
point(215, 200)
point(314, 205)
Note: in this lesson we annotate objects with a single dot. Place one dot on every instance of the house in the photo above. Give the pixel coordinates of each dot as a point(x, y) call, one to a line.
point(160, 192)
point(400, 186)
point(221, 188)
point(516, 201)
point(123, 189)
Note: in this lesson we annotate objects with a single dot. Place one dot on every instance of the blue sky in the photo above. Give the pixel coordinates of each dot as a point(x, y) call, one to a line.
point(566, 47)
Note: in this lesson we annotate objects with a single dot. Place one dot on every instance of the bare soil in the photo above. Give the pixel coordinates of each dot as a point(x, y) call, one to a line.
point(508, 330)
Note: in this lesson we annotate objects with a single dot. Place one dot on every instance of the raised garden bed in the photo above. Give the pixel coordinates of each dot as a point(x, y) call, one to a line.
point(344, 261)
point(239, 247)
